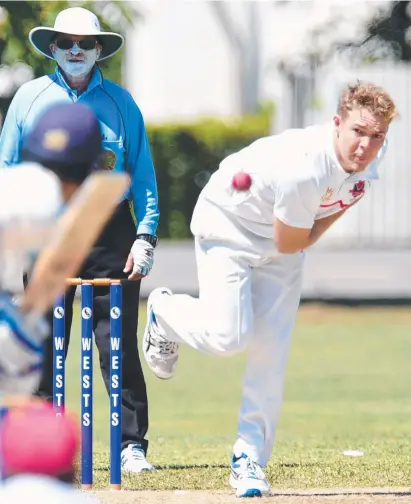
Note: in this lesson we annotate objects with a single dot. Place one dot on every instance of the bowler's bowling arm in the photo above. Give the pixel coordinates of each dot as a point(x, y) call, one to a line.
point(289, 239)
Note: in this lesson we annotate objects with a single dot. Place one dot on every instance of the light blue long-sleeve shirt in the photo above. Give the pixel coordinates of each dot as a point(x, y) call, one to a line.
point(122, 127)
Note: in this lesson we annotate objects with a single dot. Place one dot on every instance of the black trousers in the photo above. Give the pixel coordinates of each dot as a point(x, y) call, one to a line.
point(107, 259)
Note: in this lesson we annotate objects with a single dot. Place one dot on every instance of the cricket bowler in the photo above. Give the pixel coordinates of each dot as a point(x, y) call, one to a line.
point(250, 247)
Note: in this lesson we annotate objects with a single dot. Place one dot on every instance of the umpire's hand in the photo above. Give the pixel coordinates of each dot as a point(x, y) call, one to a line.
point(140, 260)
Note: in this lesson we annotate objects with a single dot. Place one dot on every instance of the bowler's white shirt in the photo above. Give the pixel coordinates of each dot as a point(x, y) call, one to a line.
point(295, 177)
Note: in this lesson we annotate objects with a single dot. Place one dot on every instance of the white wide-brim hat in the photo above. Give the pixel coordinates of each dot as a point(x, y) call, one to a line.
point(75, 21)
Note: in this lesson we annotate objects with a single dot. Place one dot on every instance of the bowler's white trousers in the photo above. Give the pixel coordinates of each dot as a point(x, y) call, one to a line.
point(248, 300)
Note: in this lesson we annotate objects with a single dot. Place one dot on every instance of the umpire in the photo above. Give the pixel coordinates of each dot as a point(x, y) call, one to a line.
point(125, 248)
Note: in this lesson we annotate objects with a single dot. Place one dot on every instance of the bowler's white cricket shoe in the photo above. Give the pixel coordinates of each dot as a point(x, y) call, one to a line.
point(247, 477)
point(161, 355)
point(133, 459)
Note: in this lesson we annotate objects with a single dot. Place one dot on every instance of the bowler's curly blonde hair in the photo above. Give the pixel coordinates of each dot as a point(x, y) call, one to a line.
point(369, 96)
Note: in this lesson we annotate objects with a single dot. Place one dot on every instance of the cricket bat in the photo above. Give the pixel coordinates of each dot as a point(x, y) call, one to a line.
point(75, 232)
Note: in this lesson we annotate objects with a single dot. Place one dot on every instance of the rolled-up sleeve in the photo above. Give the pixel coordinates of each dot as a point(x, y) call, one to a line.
point(297, 202)
point(141, 168)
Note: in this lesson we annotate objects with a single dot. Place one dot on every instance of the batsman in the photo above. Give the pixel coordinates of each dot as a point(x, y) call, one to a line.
point(125, 249)
point(43, 212)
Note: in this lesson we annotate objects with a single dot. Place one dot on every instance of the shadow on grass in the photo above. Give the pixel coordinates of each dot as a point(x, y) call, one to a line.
point(294, 464)
point(342, 492)
point(180, 467)
point(177, 467)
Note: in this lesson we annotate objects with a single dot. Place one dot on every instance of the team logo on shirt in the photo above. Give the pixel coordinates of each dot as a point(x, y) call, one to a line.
point(327, 195)
point(358, 189)
point(109, 160)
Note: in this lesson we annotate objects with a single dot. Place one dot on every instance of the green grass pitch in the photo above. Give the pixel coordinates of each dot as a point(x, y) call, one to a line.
point(347, 388)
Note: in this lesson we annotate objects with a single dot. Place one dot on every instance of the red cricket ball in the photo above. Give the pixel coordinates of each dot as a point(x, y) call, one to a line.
point(241, 181)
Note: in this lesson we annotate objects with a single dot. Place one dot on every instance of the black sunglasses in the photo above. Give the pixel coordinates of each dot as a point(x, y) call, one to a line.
point(85, 44)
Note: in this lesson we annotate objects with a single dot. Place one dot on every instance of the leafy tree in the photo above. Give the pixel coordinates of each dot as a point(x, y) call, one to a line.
point(327, 29)
point(394, 30)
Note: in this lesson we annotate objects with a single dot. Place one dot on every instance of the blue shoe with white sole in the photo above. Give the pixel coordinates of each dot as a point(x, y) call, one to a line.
point(247, 477)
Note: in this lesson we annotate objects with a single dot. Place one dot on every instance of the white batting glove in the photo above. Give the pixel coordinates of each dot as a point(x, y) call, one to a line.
point(140, 259)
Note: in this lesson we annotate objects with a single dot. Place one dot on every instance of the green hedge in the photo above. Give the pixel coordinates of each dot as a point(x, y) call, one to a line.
point(186, 155)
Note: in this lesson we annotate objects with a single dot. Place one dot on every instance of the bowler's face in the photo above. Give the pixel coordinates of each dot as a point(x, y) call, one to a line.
point(360, 134)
